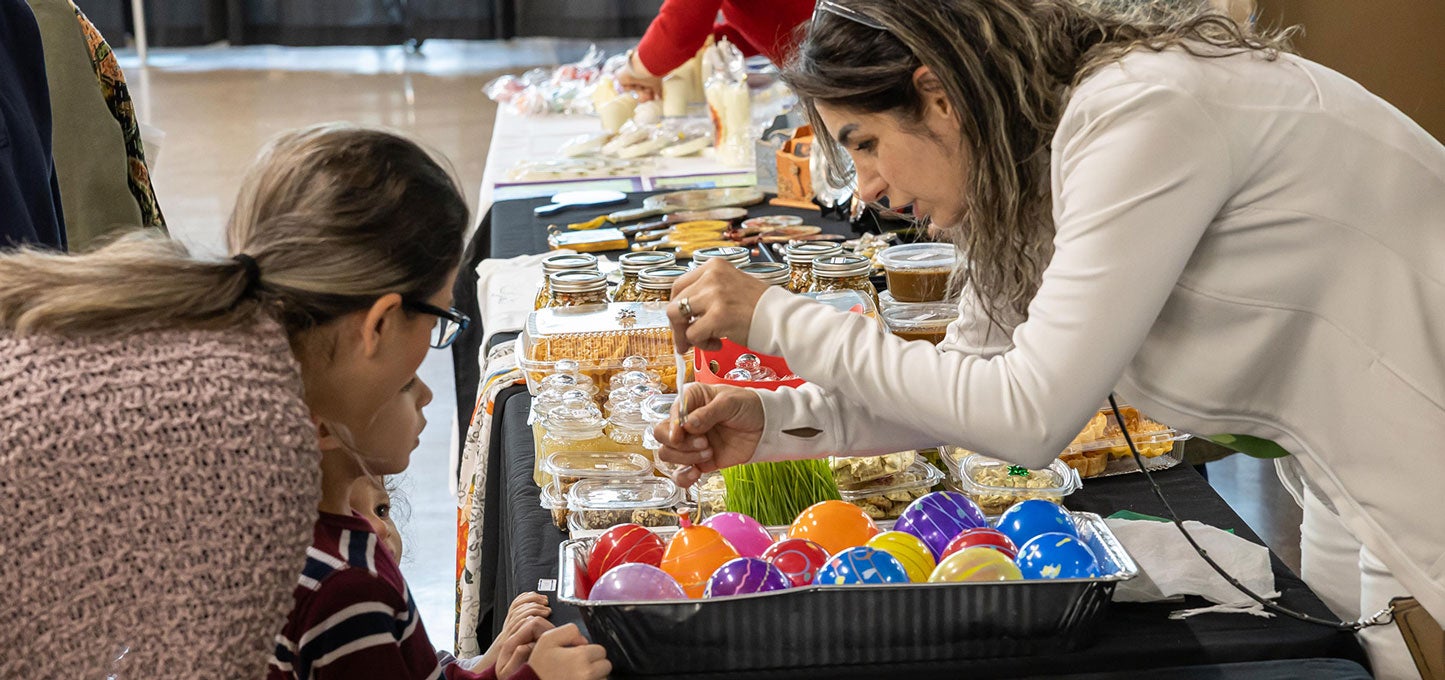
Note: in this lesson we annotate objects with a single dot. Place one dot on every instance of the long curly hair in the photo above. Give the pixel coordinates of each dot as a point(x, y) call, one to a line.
point(1007, 67)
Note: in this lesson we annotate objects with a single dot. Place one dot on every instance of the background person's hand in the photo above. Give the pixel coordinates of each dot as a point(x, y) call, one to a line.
point(723, 428)
point(564, 654)
point(525, 606)
point(634, 77)
point(721, 299)
point(514, 650)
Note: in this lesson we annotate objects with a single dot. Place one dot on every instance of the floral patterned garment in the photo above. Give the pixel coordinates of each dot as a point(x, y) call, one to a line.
point(117, 97)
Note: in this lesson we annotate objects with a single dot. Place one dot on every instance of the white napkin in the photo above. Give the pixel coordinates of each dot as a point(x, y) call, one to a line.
point(1169, 567)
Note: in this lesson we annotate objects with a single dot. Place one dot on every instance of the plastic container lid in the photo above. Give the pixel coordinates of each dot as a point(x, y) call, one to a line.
point(852, 470)
point(575, 419)
point(597, 337)
point(569, 381)
point(550, 497)
point(846, 301)
point(597, 465)
point(997, 485)
point(919, 256)
point(920, 475)
point(602, 503)
point(919, 315)
point(658, 408)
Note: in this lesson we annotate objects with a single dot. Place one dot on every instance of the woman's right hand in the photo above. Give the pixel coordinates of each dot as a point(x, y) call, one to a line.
point(634, 77)
point(563, 654)
point(723, 427)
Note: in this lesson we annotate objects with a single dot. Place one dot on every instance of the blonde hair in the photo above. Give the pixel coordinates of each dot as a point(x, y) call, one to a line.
point(1006, 67)
point(334, 216)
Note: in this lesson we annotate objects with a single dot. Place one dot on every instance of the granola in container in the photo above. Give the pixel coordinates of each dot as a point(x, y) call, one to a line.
point(886, 497)
point(597, 504)
point(996, 485)
point(853, 470)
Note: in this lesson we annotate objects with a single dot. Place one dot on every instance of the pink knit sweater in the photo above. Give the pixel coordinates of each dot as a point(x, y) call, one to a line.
point(158, 492)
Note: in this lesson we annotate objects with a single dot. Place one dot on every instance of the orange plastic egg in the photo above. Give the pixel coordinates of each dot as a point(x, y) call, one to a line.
point(835, 525)
point(693, 554)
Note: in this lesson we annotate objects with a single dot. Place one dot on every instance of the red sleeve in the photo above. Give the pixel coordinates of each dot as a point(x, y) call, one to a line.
point(524, 673)
point(678, 32)
point(452, 671)
point(736, 37)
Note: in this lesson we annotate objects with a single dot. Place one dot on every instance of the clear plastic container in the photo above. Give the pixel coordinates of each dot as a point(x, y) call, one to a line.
point(920, 320)
point(574, 425)
point(552, 499)
point(997, 485)
point(571, 467)
point(850, 471)
point(710, 495)
point(654, 411)
point(625, 424)
point(886, 497)
point(599, 338)
point(847, 301)
point(597, 504)
point(918, 272)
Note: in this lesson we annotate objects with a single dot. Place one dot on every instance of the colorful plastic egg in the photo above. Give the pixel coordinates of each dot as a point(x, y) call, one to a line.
point(798, 558)
point(693, 554)
point(938, 517)
point(746, 534)
point(635, 582)
point(744, 576)
point(623, 544)
point(835, 525)
point(861, 564)
point(910, 550)
point(976, 564)
point(982, 538)
point(1032, 517)
point(1057, 555)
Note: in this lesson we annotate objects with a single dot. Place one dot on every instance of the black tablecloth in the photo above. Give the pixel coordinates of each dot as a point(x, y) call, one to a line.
point(521, 544)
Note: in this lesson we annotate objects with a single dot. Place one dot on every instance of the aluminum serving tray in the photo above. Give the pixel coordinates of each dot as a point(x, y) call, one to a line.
point(859, 624)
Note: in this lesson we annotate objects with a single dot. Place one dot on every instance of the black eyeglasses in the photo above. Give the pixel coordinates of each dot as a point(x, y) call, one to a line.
point(853, 15)
point(450, 322)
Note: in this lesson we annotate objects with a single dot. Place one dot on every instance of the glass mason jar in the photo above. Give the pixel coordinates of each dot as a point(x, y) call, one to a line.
point(656, 284)
point(556, 265)
point(737, 255)
point(632, 264)
point(576, 288)
point(843, 272)
point(772, 273)
point(800, 256)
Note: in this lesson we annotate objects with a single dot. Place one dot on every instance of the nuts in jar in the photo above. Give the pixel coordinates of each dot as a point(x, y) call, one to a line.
point(800, 257)
point(844, 272)
point(557, 264)
point(655, 284)
point(632, 265)
point(574, 289)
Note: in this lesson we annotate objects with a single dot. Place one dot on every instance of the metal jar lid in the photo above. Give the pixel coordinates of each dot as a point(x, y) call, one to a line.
point(577, 282)
point(805, 252)
point(635, 263)
point(659, 278)
point(773, 273)
point(569, 262)
point(842, 267)
point(737, 255)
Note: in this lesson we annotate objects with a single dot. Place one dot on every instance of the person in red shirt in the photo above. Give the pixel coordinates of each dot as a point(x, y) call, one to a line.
point(682, 26)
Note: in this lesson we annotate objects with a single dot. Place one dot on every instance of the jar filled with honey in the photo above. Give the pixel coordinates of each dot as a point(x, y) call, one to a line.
point(844, 272)
point(655, 285)
point(577, 288)
point(632, 264)
point(800, 256)
point(556, 265)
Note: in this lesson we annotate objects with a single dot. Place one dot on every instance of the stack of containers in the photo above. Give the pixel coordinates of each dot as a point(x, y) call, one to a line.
point(996, 485)
point(917, 305)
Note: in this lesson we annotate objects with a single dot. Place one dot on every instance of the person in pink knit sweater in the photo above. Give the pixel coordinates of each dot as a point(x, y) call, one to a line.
point(354, 616)
point(159, 418)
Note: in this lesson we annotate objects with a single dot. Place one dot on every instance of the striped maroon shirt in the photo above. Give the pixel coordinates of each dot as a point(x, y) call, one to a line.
point(354, 616)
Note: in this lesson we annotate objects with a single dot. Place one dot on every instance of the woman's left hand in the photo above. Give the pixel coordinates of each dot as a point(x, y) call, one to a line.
point(712, 302)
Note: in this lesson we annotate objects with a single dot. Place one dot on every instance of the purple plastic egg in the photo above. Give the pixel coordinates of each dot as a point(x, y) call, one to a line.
point(938, 517)
point(744, 576)
point(746, 534)
point(636, 582)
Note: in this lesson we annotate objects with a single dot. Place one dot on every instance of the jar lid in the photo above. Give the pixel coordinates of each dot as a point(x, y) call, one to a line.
point(566, 381)
point(737, 255)
point(640, 493)
point(568, 262)
point(658, 408)
point(805, 252)
point(659, 278)
point(635, 263)
point(919, 256)
point(773, 273)
point(574, 417)
point(916, 315)
point(842, 266)
point(578, 282)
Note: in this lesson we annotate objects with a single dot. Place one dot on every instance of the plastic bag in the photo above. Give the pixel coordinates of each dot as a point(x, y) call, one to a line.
point(564, 89)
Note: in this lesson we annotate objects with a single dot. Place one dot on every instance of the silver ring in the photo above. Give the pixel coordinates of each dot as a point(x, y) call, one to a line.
point(685, 308)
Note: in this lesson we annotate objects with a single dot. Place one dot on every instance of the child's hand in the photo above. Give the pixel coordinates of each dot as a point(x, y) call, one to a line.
point(527, 605)
point(563, 654)
point(514, 650)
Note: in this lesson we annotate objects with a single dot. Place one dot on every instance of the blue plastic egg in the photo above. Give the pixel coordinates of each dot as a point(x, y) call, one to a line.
point(1032, 517)
point(861, 565)
point(938, 517)
point(1057, 555)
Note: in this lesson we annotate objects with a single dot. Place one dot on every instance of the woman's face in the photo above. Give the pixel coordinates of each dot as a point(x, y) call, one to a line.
point(921, 164)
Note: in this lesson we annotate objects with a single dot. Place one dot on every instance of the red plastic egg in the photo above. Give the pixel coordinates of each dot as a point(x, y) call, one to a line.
point(982, 538)
point(623, 544)
point(798, 558)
